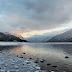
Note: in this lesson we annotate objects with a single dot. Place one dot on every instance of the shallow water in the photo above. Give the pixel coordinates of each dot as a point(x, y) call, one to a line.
point(53, 53)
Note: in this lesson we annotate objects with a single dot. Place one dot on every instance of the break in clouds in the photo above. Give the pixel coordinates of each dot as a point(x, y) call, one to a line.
point(28, 15)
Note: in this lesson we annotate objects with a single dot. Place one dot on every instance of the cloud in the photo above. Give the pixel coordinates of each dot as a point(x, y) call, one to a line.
point(31, 15)
point(50, 12)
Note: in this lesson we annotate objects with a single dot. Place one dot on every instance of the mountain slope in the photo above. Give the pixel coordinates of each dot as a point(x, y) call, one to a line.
point(8, 37)
point(64, 37)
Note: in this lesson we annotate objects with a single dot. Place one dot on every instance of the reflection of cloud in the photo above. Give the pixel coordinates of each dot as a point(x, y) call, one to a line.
point(44, 50)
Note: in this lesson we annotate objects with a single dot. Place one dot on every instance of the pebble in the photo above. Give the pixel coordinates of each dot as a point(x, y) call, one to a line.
point(2, 70)
point(66, 57)
point(54, 66)
point(30, 58)
point(17, 70)
point(36, 61)
point(38, 68)
point(31, 68)
point(17, 55)
point(52, 71)
point(8, 71)
point(48, 64)
point(27, 62)
point(37, 71)
point(16, 67)
point(24, 53)
point(42, 60)
point(14, 64)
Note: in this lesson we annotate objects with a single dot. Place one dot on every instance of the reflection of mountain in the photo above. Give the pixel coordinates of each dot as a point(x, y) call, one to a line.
point(8, 37)
point(67, 48)
point(64, 37)
point(38, 38)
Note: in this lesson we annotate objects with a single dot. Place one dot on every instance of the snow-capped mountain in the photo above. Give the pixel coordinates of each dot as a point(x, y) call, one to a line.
point(64, 37)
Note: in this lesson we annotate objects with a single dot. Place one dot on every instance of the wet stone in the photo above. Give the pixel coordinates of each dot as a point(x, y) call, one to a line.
point(52, 71)
point(37, 71)
point(8, 71)
point(16, 67)
point(30, 58)
point(66, 57)
point(2, 70)
point(42, 60)
point(17, 55)
point(38, 68)
point(21, 57)
point(36, 61)
point(48, 64)
point(54, 66)
point(24, 53)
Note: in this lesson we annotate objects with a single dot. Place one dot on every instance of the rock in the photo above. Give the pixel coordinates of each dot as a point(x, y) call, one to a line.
point(37, 71)
point(52, 71)
point(21, 57)
point(16, 67)
point(26, 62)
point(38, 68)
point(17, 71)
point(42, 60)
point(36, 61)
point(8, 71)
point(30, 58)
point(24, 53)
point(31, 68)
point(2, 70)
point(48, 64)
point(66, 57)
point(12, 63)
point(54, 66)
point(17, 55)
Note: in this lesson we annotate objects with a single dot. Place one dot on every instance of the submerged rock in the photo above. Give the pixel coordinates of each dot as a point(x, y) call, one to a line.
point(54, 66)
point(48, 64)
point(24, 53)
point(66, 57)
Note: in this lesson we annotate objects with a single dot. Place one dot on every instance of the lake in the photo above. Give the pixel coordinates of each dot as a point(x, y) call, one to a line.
point(53, 54)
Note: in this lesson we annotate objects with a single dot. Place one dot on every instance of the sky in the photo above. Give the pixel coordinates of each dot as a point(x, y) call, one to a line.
point(35, 17)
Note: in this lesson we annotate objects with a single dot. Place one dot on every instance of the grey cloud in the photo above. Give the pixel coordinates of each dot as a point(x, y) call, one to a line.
point(39, 15)
point(50, 11)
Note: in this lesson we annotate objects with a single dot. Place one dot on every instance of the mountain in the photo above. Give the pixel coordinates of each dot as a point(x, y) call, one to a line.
point(38, 38)
point(64, 37)
point(9, 37)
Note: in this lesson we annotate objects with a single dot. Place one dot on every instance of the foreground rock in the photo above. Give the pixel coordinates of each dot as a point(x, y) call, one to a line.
point(14, 64)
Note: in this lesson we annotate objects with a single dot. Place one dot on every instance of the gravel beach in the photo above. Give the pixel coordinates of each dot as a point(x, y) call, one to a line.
point(15, 64)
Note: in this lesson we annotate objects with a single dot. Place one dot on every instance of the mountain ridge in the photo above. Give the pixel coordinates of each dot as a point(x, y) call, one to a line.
point(64, 37)
point(10, 38)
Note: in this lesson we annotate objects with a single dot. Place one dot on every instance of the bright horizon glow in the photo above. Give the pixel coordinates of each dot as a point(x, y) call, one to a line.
point(41, 32)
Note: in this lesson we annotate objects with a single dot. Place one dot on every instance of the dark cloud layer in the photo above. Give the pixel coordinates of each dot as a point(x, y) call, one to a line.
point(50, 11)
point(29, 15)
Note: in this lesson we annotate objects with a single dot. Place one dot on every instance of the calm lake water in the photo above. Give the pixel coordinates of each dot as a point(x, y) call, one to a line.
point(53, 53)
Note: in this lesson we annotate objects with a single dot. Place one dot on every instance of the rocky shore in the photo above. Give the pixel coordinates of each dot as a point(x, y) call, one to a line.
point(15, 64)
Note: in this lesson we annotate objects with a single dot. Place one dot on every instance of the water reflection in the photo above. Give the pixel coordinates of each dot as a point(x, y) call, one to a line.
point(54, 54)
